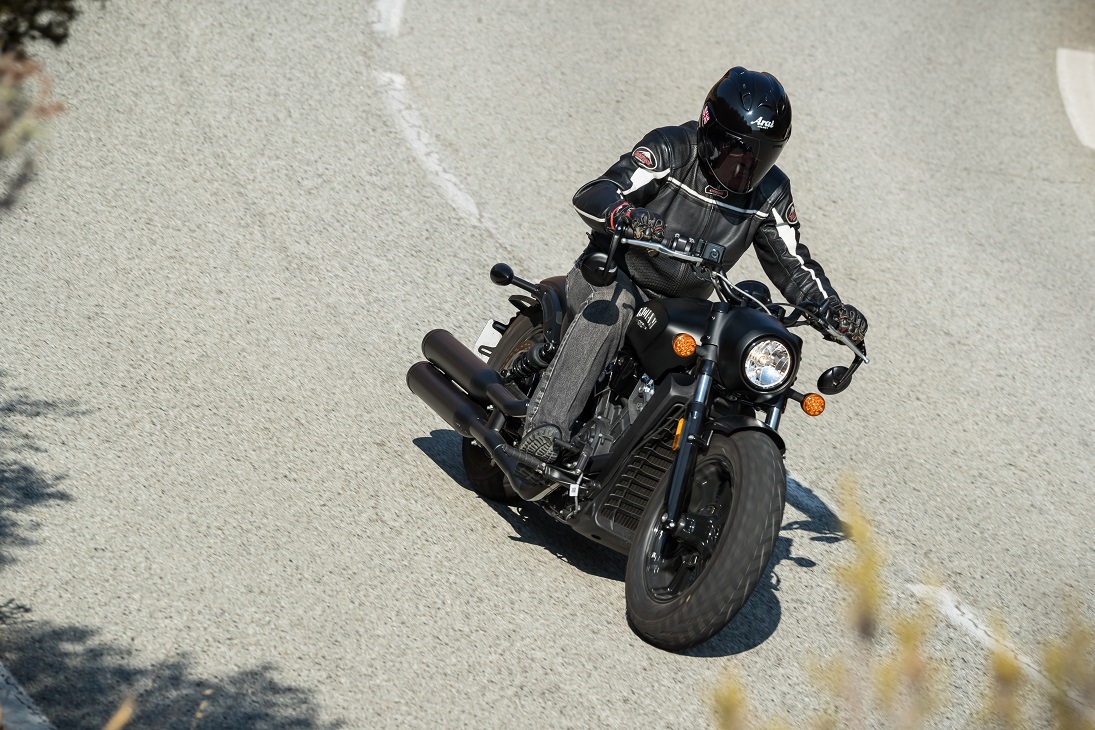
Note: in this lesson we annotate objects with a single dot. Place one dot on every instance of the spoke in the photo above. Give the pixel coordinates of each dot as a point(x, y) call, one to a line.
point(678, 581)
point(663, 572)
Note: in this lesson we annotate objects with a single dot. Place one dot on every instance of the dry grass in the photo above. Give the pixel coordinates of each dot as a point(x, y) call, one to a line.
point(26, 107)
point(121, 716)
point(887, 679)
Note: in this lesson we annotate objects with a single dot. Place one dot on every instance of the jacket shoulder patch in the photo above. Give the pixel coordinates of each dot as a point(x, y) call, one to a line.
point(792, 216)
point(645, 158)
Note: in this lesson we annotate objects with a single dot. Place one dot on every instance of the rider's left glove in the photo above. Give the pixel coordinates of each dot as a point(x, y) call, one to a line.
point(846, 319)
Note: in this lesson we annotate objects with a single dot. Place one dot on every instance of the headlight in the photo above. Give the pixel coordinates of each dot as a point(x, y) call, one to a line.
point(768, 364)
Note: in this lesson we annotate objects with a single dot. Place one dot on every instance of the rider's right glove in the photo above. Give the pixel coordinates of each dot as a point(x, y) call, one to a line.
point(846, 318)
point(640, 223)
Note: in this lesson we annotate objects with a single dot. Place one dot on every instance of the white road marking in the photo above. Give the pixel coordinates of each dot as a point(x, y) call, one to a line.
point(1076, 79)
point(414, 131)
point(386, 17)
point(19, 710)
point(963, 618)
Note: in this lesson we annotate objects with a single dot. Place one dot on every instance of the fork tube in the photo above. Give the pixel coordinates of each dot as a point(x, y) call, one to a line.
point(697, 411)
point(775, 412)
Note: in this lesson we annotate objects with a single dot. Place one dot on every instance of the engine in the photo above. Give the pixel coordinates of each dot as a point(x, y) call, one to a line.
point(622, 394)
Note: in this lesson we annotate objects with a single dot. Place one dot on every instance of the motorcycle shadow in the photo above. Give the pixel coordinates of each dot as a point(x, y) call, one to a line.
point(761, 614)
point(532, 525)
point(756, 621)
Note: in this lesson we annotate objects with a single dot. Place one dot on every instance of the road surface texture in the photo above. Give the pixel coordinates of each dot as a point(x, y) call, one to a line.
point(217, 487)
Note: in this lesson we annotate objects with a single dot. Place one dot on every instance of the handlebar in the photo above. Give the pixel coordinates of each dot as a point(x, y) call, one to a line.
point(707, 253)
point(696, 251)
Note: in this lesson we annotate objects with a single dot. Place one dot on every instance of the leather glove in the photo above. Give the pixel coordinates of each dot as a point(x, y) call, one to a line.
point(845, 318)
point(639, 223)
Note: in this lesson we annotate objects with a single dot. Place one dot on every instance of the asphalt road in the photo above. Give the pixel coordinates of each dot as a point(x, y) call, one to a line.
point(215, 481)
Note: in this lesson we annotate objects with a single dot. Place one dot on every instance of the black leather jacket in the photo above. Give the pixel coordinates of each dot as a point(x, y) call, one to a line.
point(663, 174)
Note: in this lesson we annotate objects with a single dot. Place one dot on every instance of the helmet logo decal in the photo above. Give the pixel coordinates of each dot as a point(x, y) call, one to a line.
point(645, 158)
point(717, 192)
point(763, 123)
point(792, 216)
point(706, 116)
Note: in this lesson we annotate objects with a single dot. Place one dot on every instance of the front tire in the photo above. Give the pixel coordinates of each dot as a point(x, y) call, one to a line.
point(485, 478)
point(678, 594)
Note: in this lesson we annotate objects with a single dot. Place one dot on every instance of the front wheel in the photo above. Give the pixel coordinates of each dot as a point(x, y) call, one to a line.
point(683, 588)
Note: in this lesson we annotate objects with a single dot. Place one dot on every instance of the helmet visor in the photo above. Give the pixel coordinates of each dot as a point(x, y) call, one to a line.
point(736, 161)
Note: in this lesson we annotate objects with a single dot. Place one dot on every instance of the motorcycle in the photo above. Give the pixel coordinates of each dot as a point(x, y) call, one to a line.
point(677, 461)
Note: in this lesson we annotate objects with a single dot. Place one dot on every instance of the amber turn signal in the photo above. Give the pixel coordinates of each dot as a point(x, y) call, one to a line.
point(813, 404)
point(684, 345)
point(677, 436)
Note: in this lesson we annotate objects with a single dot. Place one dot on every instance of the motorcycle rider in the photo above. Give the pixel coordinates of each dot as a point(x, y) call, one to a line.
point(713, 179)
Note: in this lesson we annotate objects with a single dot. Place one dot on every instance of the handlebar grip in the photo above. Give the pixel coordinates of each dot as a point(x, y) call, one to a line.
point(684, 245)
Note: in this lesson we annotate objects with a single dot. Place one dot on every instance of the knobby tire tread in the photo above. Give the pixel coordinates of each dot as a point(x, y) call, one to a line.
point(735, 569)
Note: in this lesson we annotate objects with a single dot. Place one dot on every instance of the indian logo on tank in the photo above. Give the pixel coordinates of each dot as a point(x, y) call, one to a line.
point(646, 318)
point(644, 157)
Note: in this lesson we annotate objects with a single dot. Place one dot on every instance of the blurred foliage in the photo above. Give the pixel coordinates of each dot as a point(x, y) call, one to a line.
point(122, 715)
point(1069, 663)
point(887, 679)
point(25, 103)
point(30, 20)
point(26, 106)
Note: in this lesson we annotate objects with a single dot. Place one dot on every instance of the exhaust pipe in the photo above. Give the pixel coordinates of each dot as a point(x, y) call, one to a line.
point(482, 383)
point(470, 421)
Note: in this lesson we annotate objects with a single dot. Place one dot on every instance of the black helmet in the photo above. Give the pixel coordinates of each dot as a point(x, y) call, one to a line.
point(744, 124)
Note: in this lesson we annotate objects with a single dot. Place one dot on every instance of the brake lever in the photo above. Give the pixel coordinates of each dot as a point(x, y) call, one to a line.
point(832, 333)
point(860, 354)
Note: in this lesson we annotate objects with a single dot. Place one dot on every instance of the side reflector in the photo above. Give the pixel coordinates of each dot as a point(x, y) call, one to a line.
point(813, 404)
point(677, 436)
point(684, 345)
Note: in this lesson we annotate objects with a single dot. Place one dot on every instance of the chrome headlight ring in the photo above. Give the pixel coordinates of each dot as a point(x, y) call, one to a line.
point(768, 364)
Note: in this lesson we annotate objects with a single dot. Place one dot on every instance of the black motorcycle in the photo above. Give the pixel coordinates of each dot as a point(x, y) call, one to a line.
point(677, 461)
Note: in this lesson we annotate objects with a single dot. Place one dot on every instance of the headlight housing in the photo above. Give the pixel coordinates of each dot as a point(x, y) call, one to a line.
point(767, 365)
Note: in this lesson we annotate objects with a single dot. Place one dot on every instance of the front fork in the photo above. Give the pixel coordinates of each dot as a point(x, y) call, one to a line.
point(691, 437)
point(691, 432)
point(692, 428)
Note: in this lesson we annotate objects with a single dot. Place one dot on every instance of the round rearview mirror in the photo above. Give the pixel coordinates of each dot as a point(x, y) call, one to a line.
point(834, 380)
point(501, 274)
point(597, 270)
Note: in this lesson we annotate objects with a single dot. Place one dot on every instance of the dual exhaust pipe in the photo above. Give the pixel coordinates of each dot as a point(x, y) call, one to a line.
point(450, 364)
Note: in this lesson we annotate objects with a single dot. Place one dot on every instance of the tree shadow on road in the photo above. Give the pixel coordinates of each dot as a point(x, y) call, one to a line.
point(78, 681)
point(24, 489)
point(756, 621)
